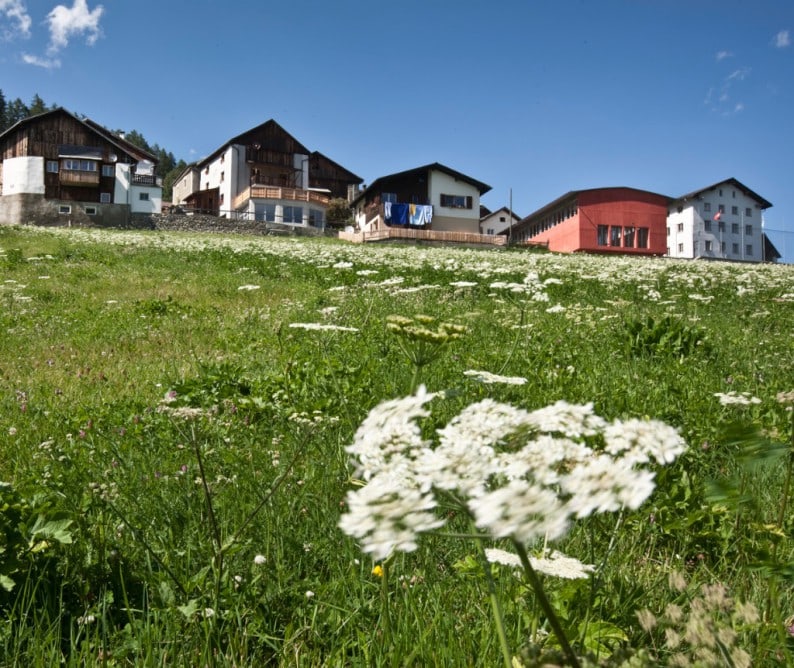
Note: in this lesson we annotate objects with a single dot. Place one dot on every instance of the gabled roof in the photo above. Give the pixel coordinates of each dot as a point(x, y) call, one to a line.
point(354, 178)
point(504, 209)
point(123, 145)
point(248, 136)
point(437, 166)
point(571, 194)
point(731, 181)
point(771, 253)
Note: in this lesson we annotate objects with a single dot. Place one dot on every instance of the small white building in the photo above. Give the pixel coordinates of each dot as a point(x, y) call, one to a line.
point(499, 222)
point(722, 221)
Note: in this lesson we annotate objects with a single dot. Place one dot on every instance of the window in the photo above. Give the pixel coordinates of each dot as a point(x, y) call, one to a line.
point(680, 248)
point(388, 197)
point(603, 232)
point(721, 208)
point(628, 237)
point(614, 235)
point(680, 227)
point(144, 197)
point(222, 198)
point(502, 219)
point(317, 217)
point(489, 231)
point(721, 225)
point(642, 237)
point(748, 230)
point(74, 165)
point(90, 211)
point(735, 249)
point(735, 210)
point(223, 176)
point(722, 246)
point(749, 249)
point(266, 212)
point(108, 170)
point(707, 225)
point(456, 201)
point(748, 212)
point(104, 198)
point(733, 194)
point(720, 192)
point(64, 208)
point(708, 246)
point(293, 214)
point(706, 206)
point(734, 228)
point(52, 166)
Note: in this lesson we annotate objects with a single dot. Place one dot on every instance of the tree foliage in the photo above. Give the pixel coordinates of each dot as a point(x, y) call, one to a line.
point(339, 213)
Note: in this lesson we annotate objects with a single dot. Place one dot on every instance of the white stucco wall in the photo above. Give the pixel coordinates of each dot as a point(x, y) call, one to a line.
point(121, 193)
point(187, 185)
point(23, 175)
point(739, 237)
point(453, 219)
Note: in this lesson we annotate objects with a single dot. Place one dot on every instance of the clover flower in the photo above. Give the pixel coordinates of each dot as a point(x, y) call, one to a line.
point(736, 398)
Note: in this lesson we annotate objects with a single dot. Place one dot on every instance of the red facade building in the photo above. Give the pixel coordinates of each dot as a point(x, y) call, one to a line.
point(600, 220)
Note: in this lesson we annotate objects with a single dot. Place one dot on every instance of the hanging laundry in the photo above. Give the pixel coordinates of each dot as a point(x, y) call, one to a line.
point(417, 218)
point(387, 210)
point(399, 214)
point(428, 213)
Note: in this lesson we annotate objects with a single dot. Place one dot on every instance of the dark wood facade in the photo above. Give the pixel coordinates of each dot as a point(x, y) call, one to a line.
point(79, 156)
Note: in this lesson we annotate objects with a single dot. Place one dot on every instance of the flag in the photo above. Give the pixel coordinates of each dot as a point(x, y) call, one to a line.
point(718, 215)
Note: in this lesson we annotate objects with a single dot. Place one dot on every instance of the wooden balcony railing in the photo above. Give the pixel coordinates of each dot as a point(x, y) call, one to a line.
point(70, 177)
point(385, 233)
point(276, 192)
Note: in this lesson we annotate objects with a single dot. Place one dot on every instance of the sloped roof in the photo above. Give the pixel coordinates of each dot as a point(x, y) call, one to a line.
point(123, 145)
point(244, 137)
point(731, 181)
point(503, 209)
point(437, 166)
point(354, 178)
point(575, 193)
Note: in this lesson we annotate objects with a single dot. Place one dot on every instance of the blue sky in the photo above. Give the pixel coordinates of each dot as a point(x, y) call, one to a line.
point(535, 97)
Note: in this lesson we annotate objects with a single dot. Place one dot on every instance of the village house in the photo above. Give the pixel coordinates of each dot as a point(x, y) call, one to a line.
point(57, 168)
point(501, 221)
point(722, 221)
point(601, 220)
point(265, 174)
point(431, 197)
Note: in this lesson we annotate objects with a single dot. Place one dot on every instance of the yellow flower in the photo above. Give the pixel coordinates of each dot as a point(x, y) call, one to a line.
point(378, 571)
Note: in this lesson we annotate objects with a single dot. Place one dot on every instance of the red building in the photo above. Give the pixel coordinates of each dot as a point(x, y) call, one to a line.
point(600, 220)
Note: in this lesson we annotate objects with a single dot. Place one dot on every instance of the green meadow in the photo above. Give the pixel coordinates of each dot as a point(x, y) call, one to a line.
point(298, 452)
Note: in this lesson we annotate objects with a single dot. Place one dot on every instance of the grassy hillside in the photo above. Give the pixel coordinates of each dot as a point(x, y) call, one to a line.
point(186, 419)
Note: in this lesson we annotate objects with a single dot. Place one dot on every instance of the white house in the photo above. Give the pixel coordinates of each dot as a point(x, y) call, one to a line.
point(431, 197)
point(499, 222)
point(264, 174)
point(721, 221)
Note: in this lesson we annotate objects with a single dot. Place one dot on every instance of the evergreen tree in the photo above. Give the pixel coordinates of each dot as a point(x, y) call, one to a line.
point(16, 110)
point(3, 124)
point(37, 106)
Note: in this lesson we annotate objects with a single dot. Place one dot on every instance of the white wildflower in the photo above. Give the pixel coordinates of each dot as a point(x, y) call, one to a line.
point(737, 398)
point(321, 327)
point(642, 440)
point(387, 515)
point(259, 559)
point(248, 288)
point(521, 510)
point(489, 378)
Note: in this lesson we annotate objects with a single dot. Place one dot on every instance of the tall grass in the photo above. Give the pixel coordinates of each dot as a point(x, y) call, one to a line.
point(175, 412)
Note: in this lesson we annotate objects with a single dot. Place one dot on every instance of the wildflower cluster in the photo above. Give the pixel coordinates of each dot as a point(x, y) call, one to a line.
point(422, 338)
point(520, 475)
point(705, 632)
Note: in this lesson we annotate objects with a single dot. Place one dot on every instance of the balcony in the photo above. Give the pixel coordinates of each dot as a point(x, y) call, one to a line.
point(72, 177)
point(277, 192)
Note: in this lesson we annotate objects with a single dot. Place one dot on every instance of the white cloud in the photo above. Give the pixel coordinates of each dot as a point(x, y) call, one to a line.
point(15, 11)
point(46, 63)
point(782, 39)
point(65, 23)
point(722, 55)
point(738, 75)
